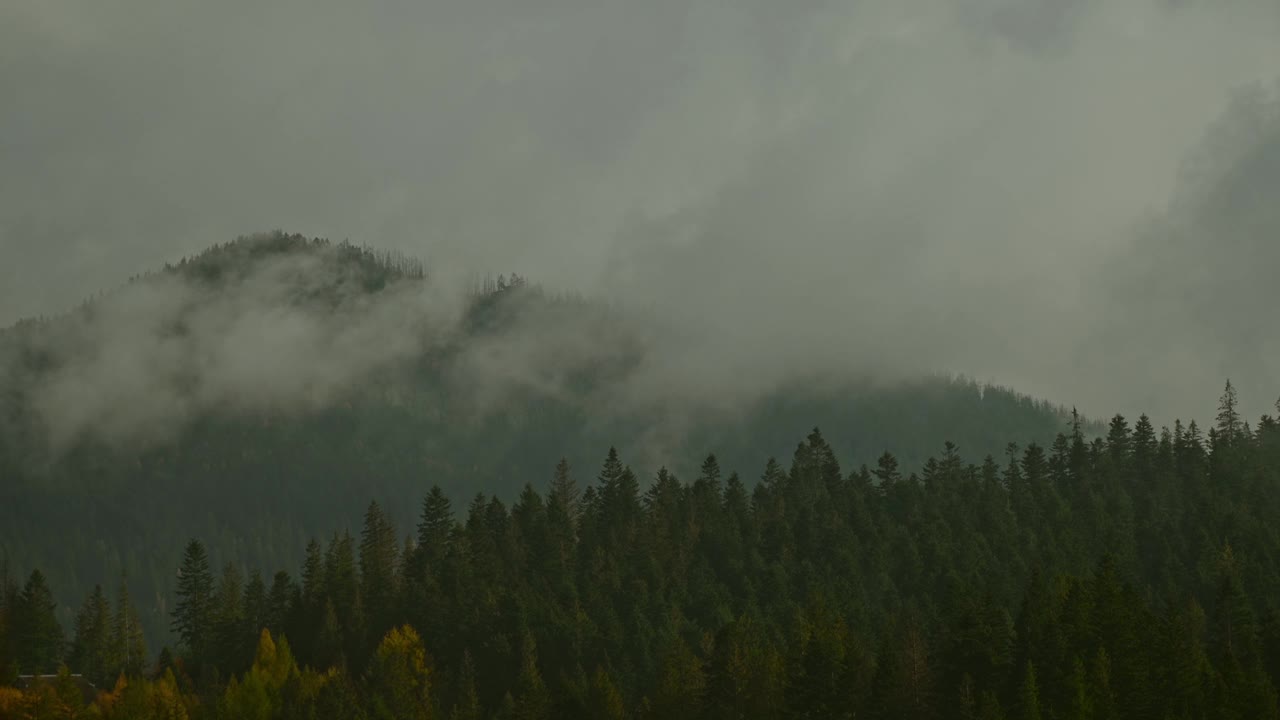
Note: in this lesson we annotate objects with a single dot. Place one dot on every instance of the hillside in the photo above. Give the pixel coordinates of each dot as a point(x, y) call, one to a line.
point(260, 394)
point(1131, 576)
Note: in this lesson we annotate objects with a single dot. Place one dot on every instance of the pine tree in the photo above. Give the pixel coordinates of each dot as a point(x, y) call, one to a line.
point(604, 701)
point(681, 682)
point(564, 493)
point(532, 700)
point(1080, 703)
point(91, 648)
point(8, 603)
point(1029, 695)
point(128, 645)
point(434, 528)
point(342, 590)
point(193, 616)
point(710, 475)
point(467, 705)
point(37, 634)
point(1235, 632)
point(990, 708)
point(313, 579)
point(378, 559)
point(280, 602)
point(1144, 447)
point(1228, 418)
point(886, 471)
point(231, 652)
point(328, 648)
point(1101, 692)
point(255, 605)
point(736, 504)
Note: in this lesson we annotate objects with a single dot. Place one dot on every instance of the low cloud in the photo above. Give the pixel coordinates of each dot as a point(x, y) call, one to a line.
point(876, 188)
point(147, 360)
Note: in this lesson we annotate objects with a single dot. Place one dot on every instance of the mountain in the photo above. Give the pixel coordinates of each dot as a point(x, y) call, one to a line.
point(263, 392)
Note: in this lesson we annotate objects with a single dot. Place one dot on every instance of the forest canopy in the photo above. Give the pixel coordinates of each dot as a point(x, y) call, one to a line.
point(1129, 575)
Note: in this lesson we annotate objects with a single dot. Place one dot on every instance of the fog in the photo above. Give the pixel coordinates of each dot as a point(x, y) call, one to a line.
point(1076, 198)
point(153, 357)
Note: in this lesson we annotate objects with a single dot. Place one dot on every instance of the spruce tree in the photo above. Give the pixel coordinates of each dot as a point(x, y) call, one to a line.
point(232, 650)
point(379, 550)
point(563, 493)
point(1228, 418)
point(193, 616)
point(37, 634)
point(532, 699)
point(1029, 695)
point(128, 645)
point(280, 602)
point(466, 706)
point(91, 648)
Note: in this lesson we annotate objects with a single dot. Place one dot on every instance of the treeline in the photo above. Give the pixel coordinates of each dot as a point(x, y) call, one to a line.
point(255, 489)
point(1131, 576)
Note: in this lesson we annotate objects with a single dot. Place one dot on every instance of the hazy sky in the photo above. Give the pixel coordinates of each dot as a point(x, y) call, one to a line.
point(1069, 196)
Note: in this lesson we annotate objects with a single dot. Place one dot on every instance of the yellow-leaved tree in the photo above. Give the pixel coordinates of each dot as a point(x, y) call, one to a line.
point(400, 677)
point(258, 695)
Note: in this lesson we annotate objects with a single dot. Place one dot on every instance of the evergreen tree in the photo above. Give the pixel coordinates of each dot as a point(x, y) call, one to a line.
point(232, 648)
point(467, 705)
point(1229, 423)
point(8, 641)
point(193, 616)
point(532, 700)
point(91, 646)
point(128, 644)
point(1029, 695)
point(342, 592)
point(434, 528)
point(681, 682)
point(37, 635)
point(563, 493)
point(255, 605)
point(281, 600)
point(379, 592)
point(604, 701)
point(1235, 633)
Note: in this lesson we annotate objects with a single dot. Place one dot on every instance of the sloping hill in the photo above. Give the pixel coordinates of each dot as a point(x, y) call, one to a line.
point(268, 389)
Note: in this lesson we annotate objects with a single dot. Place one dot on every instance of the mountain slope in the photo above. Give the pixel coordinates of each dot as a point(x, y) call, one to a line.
point(257, 394)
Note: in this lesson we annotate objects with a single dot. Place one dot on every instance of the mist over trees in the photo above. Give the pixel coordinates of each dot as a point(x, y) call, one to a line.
point(312, 376)
point(1120, 576)
point(934, 242)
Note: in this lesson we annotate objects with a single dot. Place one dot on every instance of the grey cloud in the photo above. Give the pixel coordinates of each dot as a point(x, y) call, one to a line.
point(1194, 293)
point(815, 187)
point(152, 357)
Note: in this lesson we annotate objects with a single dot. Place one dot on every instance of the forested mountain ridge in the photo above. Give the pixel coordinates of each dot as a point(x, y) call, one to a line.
point(254, 394)
point(1133, 575)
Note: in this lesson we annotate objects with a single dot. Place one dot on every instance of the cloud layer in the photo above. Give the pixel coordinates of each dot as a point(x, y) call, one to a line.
point(876, 187)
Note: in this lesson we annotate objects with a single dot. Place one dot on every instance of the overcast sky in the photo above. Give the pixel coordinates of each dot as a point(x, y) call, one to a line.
point(1069, 196)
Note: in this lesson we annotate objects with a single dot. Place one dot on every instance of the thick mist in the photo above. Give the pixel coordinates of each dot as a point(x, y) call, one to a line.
point(145, 361)
point(1074, 198)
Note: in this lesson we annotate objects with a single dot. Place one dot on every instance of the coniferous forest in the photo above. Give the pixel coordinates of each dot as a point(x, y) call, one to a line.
point(256, 479)
point(680, 360)
point(1131, 575)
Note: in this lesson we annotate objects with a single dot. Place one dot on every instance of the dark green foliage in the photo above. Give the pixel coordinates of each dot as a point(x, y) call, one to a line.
point(91, 647)
point(37, 636)
point(126, 506)
point(958, 592)
point(128, 647)
point(194, 615)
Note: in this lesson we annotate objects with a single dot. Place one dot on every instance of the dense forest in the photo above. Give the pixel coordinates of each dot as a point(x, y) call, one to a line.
point(256, 481)
point(1133, 575)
